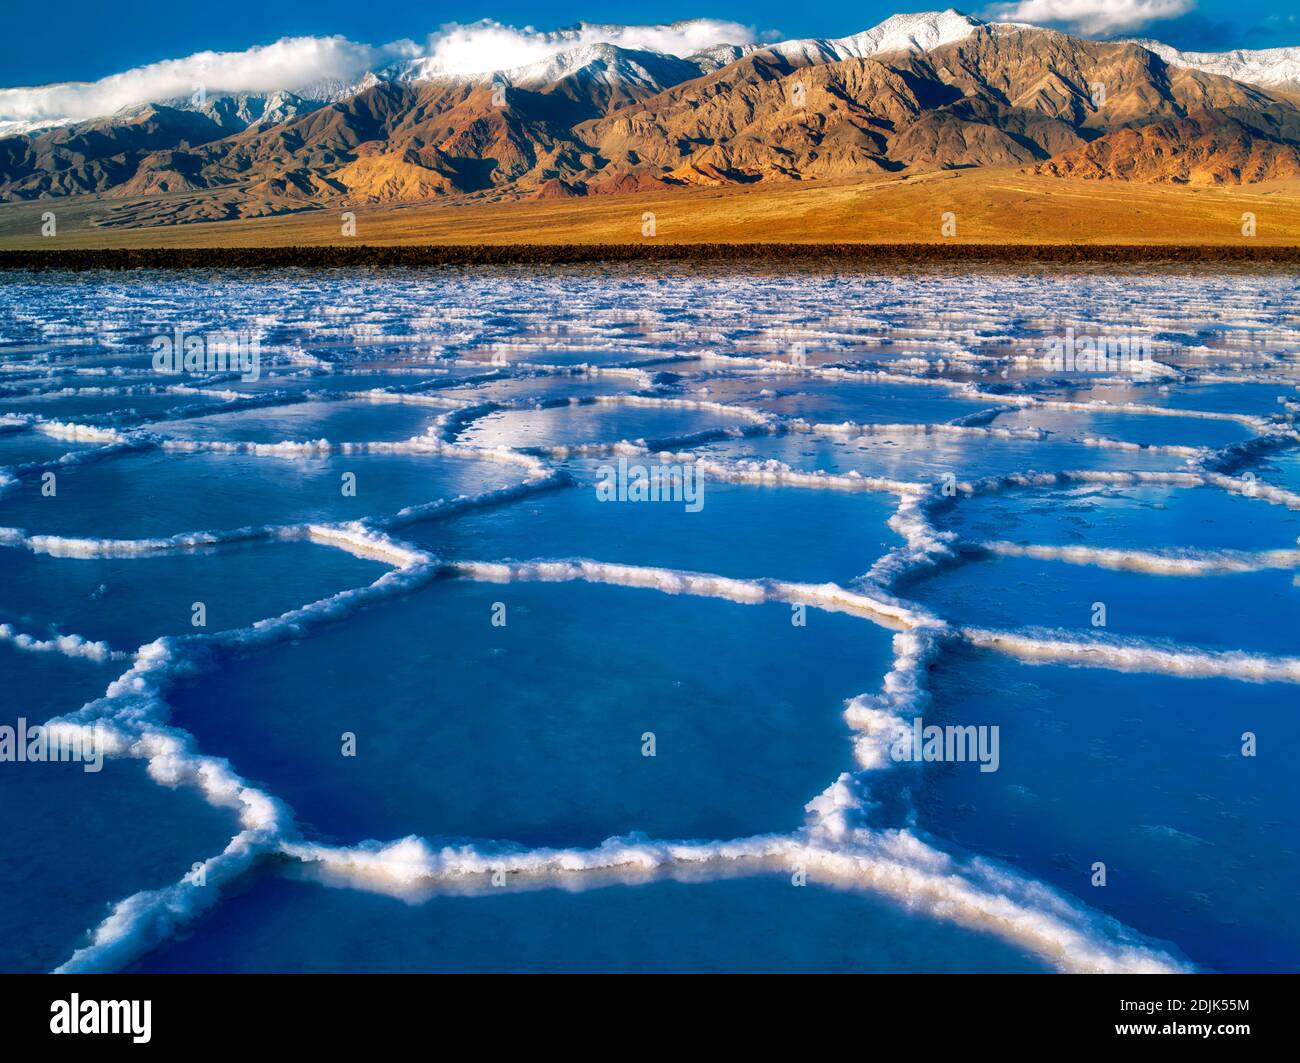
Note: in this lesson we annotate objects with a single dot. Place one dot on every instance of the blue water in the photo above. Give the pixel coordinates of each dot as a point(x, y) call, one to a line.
point(127, 602)
point(804, 536)
point(532, 731)
point(353, 422)
point(575, 425)
point(839, 399)
point(154, 494)
point(1144, 774)
point(22, 448)
point(934, 458)
point(662, 715)
point(93, 407)
point(83, 841)
point(1258, 611)
point(1147, 431)
point(1283, 470)
point(76, 841)
point(1136, 517)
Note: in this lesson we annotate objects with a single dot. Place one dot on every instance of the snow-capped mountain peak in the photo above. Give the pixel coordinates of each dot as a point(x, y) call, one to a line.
point(606, 64)
point(639, 59)
point(1270, 67)
point(919, 32)
point(618, 65)
point(911, 33)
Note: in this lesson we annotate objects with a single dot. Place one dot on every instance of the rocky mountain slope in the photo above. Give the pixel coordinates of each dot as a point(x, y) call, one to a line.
point(918, 93)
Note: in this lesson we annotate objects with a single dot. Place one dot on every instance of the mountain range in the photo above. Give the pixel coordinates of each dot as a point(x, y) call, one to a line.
point(917, 93)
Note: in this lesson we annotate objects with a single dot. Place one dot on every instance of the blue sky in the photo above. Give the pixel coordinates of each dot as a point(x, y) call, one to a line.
point(84, 40)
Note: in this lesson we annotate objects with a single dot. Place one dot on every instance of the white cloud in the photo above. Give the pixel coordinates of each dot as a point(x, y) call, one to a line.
point(1097, 17)
point(293, 63)
point(302, 63)
point(488, 45)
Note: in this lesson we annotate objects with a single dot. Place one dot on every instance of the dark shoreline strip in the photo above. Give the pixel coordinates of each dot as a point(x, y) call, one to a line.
point(364, 255)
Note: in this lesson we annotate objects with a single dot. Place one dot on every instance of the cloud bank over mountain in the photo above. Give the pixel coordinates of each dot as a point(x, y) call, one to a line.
point(327, 67)
point(293, 63)
point(489, 45)
point(1097, 17)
